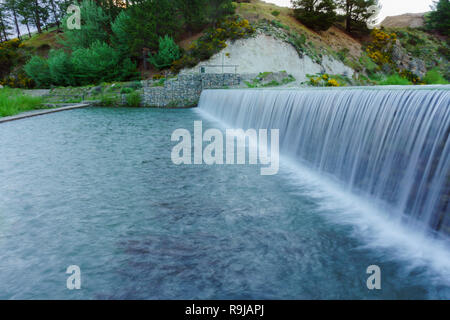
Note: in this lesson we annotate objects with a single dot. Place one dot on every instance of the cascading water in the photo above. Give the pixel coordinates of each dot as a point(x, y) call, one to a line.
point(391, 144)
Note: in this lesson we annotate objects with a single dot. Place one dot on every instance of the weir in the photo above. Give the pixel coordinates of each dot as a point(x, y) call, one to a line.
point(390, 144)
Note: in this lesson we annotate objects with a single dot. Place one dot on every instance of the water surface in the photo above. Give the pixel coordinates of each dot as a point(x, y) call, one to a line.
point(96, 188)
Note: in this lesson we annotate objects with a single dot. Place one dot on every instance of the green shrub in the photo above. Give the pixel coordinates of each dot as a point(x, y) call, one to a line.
point(370, 66)
point(272, 83)
point(395, 80)
point(96, 64)
point(278, 24)
point(108, 100)
point(275, 13)
point(434, 77)
point(159, 83)
point(298, 41)
point(38, 70)
point(61, 69)
point(9, 56)
point(167, 54)
point(134, 99)
point(255, 83)
point(287, 80)
point(136, 85)
point(100, 63)
point(126, 90)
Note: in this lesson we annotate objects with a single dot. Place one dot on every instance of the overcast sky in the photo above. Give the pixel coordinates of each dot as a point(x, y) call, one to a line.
point(389, 7)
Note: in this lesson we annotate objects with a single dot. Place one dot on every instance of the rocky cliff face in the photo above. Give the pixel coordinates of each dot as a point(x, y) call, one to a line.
point(406, 62)
point(265, 53)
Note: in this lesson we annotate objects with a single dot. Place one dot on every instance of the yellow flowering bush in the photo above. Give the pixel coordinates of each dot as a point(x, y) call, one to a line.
point(380, 49)
point(410, 76)
point(12, 54)
point(333, 83)
point(324, 80)
point(315, 81)
point(19, 81)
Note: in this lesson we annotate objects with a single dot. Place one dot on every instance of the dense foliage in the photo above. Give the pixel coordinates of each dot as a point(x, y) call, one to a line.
point(119, 37)
point(167, 54)
point(439, 18)
point(357, 13)
point(318, 15)
point(113, 39)
point(321, 14)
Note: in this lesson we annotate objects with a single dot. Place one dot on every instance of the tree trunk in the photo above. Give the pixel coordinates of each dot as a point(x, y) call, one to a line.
point(28, 28)
point(54, 12)
point(348, 20)
point(4, 29)
point(37, 19)
point(16, 23)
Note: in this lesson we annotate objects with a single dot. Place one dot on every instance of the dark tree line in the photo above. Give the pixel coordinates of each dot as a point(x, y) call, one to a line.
point(150, 19)
point(118, 35)
point(439, 18)
point(321, 14)
point(33, 14)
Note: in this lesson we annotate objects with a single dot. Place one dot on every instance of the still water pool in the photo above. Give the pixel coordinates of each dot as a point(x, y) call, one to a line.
point(97, 188)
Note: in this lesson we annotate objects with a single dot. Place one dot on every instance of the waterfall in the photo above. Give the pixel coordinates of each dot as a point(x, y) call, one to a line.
point(391, 144)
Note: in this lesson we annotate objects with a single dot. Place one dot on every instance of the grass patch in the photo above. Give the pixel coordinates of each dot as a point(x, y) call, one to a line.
point(272, 83)
point(14, 101)
point(134, 99)
point(108, 100)
point(290, 78)
point(279, 24)
point(159, 83)
point(434, 77)
point(37, 40)
point(395, 80)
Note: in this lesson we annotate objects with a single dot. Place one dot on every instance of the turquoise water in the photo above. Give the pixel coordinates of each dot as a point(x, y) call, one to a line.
point(96, 188)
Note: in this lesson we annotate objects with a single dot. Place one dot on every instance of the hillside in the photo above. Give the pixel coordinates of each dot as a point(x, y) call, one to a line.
point(408, 20)
point(281, 43)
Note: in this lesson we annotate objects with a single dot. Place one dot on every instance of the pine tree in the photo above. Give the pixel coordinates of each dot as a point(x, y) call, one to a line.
point(439, 18)
point(193, 12)
point(315, 14)
point(356, 13)
point(26, 15)
point(216, 9)
point(167, 54)
point(141, 25)
point(12, 7)
point(36, 12)
point(94, 27)
point(5, 28)
point(54, 9)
